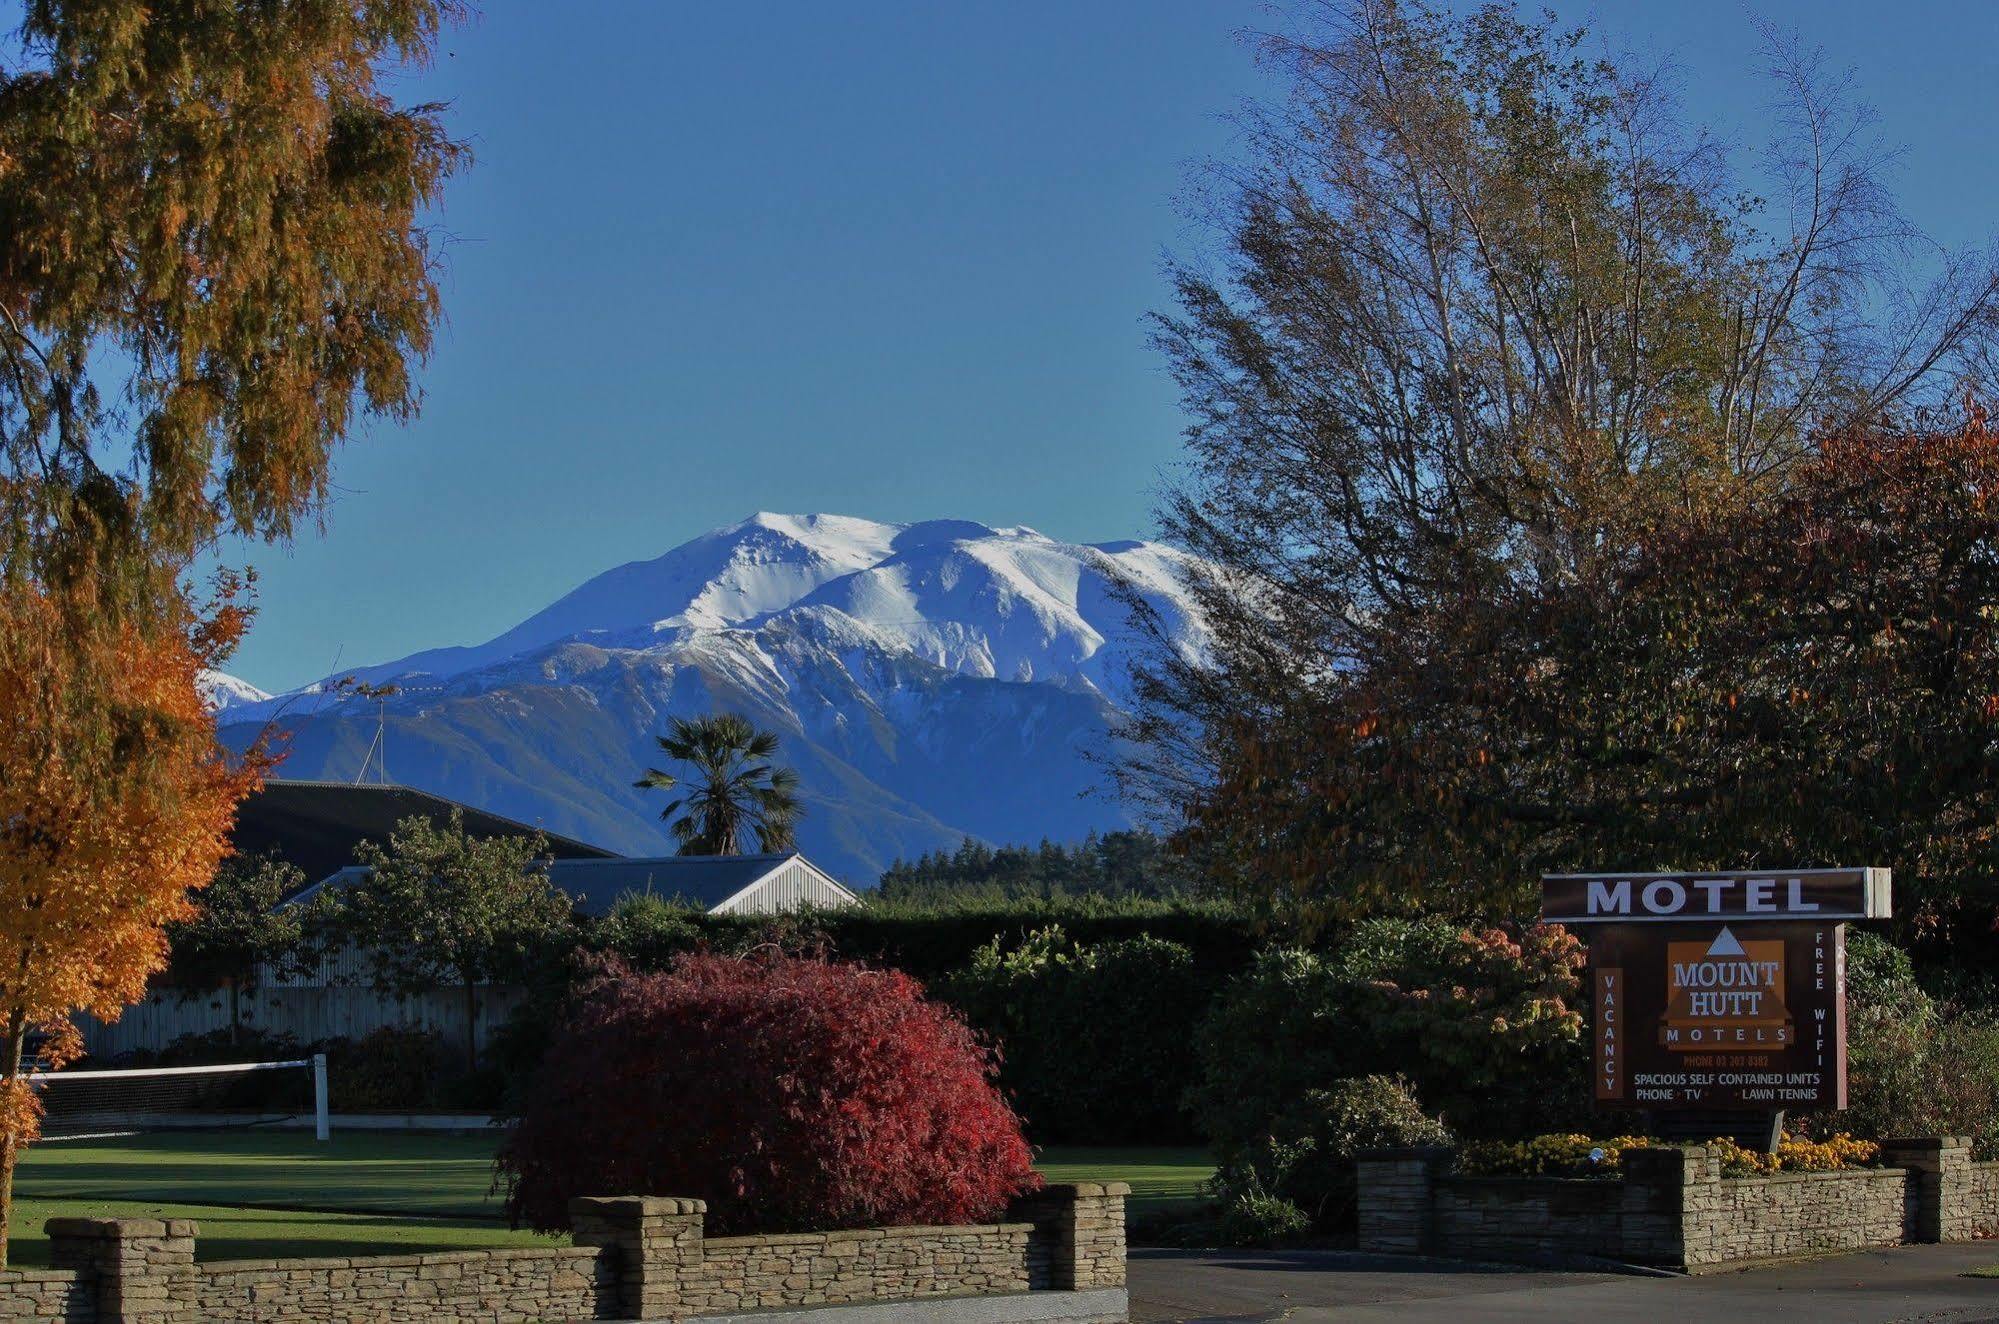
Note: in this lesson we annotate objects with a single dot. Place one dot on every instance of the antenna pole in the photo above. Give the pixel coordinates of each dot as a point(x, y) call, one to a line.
point(379, 693)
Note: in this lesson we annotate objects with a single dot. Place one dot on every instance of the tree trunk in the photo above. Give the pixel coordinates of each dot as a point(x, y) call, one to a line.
point(235, 1011)
point(471, 1027)
point(10, 1134)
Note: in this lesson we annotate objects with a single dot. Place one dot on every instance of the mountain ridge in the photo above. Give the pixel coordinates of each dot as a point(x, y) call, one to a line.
point(931, 680)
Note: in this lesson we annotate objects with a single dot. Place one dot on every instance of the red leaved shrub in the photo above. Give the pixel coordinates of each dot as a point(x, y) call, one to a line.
point(790, 1093)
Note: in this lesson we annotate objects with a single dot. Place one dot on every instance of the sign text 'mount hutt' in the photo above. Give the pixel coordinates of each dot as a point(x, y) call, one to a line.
point(1813, 895)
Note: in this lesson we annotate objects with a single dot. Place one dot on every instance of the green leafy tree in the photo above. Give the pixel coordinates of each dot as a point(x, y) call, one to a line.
point(731, 794)
point(240, 927)
point(1916, 1065)
point(438, 906)
point(1093, 1037)
point(1126, 863)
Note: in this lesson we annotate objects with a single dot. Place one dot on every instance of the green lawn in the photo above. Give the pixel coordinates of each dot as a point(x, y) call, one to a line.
point(1161, 1179)
point(264, 1194)
point(1989, 1271)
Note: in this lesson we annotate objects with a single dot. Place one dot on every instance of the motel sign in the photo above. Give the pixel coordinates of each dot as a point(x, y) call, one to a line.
point(1718, 992)
point(1808, 894)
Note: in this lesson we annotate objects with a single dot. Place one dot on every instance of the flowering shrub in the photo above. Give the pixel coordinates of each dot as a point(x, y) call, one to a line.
point(789, 1093)
point(1549, 1156)
point(1486, 1023)
point(1498, 1004)
point(1307, 1158)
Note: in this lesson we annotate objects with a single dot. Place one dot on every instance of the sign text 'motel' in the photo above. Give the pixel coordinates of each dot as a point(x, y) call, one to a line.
point(1666, 898)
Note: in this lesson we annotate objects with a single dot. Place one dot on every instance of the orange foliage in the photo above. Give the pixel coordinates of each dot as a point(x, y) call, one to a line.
point(114, 801)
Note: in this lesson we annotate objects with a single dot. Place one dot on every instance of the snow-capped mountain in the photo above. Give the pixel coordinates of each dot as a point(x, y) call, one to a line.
point(931, 681)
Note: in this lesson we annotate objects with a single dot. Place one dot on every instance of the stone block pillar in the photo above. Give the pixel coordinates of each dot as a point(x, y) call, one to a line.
point(1940, 1169)
point(1082, 1224)
point(1395, 1198)
point(1669, 1191)
point(658, 1241)
point(141, 1270)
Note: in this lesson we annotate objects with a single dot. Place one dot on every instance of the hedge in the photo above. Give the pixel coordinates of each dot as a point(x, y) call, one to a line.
point(931, 943)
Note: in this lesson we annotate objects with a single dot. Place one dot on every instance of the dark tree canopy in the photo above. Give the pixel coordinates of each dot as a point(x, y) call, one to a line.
point(1482, 306)
point(1810, 678)
point(1504, 397)
point(1115, 864)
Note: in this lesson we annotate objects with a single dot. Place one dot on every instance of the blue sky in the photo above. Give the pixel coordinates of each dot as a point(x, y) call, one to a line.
point(889, 260)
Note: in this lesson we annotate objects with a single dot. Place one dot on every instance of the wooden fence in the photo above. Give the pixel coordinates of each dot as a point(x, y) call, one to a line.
point(309, 1013)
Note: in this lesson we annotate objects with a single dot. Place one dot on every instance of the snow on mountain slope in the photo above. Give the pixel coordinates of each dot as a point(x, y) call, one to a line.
point(222, 691)
point(721, 578)
point(932, 681)
point(1006, 604)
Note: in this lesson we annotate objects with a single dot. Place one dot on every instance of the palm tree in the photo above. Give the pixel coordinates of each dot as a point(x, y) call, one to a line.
point(731, 791)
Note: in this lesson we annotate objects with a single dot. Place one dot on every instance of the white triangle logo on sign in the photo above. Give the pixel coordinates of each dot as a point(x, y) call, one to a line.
point(1725, 944)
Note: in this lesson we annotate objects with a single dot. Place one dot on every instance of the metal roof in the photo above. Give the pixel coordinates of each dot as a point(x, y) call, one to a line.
point(595, 886)
point(696, 880)
point(316, 825)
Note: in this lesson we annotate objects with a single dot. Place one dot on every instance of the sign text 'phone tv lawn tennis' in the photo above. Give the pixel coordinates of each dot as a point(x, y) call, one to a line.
point(1718, 992)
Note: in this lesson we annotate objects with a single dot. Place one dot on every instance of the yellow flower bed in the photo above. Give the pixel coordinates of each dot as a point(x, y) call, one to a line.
point(1584, 1156)
point(1836, 1153)
point(1548, 1156)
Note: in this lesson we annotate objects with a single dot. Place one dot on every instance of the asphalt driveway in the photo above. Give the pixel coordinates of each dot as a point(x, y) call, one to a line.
point(1910, 1283)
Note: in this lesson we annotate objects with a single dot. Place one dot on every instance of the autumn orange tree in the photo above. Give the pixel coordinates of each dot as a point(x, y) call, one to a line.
point(215, 263)
point(114, 802)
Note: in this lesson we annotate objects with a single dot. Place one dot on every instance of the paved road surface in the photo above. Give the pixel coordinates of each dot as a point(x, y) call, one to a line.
point(1910, 1283)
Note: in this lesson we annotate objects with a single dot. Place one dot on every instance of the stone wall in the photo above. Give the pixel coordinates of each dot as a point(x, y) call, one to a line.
point(1984, 1199)
point(1673, 1207)
point(1484, 1217)
point(633, 1258)
point(136, 1270)
point(559, 1283)
point(54, 1295)
point(1085, 1224)
point(873, 1264)
point(1790, 1214)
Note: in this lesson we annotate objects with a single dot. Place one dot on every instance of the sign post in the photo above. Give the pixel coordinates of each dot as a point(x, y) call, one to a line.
point(1718, 1000)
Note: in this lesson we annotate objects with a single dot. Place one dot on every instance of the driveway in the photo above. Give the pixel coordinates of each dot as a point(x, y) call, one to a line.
point(1910, 1283)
